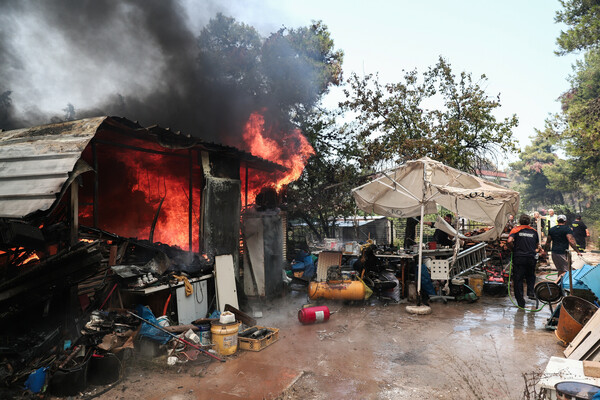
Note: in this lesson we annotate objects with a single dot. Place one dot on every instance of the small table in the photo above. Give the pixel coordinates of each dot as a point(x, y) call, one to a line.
point(189, 308)
point(158, 288)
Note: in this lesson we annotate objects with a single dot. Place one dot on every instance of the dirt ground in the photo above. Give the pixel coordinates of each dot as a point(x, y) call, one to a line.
point(368, 351)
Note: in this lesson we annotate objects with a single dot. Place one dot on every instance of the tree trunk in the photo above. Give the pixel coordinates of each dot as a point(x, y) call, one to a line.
point(311, 226)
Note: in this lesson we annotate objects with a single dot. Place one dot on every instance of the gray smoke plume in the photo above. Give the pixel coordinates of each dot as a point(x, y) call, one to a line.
point(137, 59)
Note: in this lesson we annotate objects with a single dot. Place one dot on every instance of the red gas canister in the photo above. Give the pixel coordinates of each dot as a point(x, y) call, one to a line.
point(310, 315)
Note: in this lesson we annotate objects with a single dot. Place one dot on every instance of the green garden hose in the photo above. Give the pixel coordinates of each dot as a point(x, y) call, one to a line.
point(510, 297)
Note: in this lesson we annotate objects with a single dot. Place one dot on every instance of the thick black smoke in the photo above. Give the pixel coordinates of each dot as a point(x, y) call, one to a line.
point(136, 58)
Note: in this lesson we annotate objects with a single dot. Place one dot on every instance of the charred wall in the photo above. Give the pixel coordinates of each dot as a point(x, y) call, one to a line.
point(221, 204)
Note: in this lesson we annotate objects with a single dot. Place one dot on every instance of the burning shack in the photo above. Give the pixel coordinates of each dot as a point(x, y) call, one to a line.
point(90, 205)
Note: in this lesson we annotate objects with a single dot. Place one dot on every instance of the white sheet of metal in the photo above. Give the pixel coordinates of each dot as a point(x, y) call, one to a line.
point(225, 282)
point(36, 162)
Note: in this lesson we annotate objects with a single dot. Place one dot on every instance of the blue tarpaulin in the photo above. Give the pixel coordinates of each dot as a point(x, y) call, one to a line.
point(304, 262)
point(592, 280)
point(148, 330)
point(586, 278)
point(578, 274)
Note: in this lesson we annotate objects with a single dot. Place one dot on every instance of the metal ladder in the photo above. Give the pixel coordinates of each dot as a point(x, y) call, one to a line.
point(466, 260)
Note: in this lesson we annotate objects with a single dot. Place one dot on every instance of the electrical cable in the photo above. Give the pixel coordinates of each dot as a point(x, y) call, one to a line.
point(166, 305)
point(510, 297)
point(199, 286)
point(584, 260)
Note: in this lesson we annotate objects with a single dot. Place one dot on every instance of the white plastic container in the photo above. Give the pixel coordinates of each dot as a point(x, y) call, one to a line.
point(227, 317)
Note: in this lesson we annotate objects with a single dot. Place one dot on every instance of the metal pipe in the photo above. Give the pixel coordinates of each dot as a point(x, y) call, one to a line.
point(420, 254)
point(190, 203)
point(160, 328)
point(96, 183)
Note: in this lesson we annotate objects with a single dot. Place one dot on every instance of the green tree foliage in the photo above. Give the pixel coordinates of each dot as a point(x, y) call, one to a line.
point(446, 117)
point(286, 72)
point(323, 191)
point(548, 179)
point(305, 53)
point(230, 54)
point(581, 108)
point(537, 162)
point(580, 133)
point(583, 19)
point(571, 183)
point(285, 75)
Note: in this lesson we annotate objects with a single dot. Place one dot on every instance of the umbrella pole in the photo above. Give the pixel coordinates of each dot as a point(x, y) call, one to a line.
point(420, 256)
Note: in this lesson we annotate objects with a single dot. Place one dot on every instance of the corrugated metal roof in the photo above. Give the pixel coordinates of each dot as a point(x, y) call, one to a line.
point(36, 162)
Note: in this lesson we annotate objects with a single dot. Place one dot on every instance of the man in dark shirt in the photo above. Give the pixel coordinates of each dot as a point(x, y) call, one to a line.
point(580, 232)
point(524, 242)
point(441, 237)
point(560, 237)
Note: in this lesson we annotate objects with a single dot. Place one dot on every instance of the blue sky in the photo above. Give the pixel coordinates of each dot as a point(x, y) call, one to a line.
point(511, 42)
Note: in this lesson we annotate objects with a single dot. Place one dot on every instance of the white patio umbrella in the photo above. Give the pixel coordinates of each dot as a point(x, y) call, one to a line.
point(417, 187)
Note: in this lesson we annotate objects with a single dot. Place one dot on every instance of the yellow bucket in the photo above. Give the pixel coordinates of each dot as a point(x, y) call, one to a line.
point(476, 283)
point(225, 337)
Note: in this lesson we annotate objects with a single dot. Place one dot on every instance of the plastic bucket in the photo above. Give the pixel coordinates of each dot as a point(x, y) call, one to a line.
point(476, 283)
point(204, 333)
point(575, 391)
point(104, 369)
point(70, 381)
point(225, 337)
point(574, 314)
point(432, 245)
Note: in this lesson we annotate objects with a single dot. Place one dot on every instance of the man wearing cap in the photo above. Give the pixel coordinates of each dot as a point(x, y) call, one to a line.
point(560, 237)
point(580, 232)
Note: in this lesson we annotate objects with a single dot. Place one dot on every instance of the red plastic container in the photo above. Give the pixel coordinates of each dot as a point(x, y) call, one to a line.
point(311, 315)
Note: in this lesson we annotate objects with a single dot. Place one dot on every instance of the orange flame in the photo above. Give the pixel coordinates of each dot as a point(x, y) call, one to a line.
point(290, 149)
point(146, 182)
point(32, 257)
